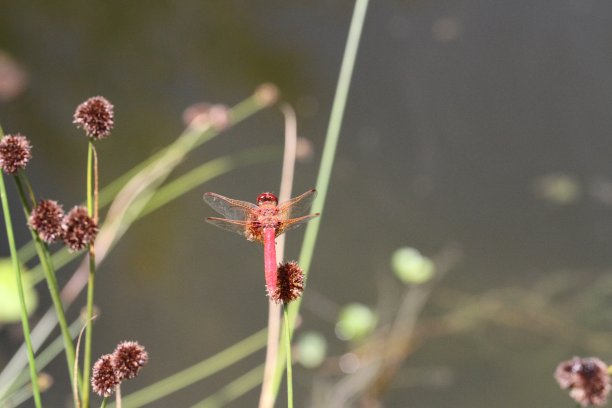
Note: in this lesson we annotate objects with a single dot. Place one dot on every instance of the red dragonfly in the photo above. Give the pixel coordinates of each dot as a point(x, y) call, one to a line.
point(262, 222)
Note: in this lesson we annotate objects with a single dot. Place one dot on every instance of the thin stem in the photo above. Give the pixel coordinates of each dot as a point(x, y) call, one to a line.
point(45, 260)
point(197, 372)
point(329, 151)
point(233, 390)
point(238, 113)
point(206, 172)
point(75, 385)
point(288, 350)
point(267, 395)
point(118, 396)
point(92, 207)
point(90, 153)
point(43, 359)
point(103, 405)
point(24, 312)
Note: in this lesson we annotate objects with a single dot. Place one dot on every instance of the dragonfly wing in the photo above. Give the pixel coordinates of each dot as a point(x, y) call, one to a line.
point(295, 222)
point(230, 208)
point(298, 205)
point(239, 227)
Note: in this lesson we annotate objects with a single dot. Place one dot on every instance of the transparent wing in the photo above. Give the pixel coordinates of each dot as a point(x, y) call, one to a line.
point(295, 222)
point(230, 208)
point(239, 227)
point(298, 205)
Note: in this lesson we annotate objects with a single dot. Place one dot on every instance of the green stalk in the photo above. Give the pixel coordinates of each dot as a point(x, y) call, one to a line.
point(45, 260)
point(197, 372)
point(238, 113)
point(43, 359)
point(233, 390)
point(206, 172)
point(24, 312)
point(92, 172)
point(288, 350)
point(327, 159)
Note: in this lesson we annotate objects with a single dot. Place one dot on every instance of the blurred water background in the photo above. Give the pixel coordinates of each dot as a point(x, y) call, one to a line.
point(481, 125)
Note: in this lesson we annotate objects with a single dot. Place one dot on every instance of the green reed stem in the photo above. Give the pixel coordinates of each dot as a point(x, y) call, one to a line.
point(47, 265)
point(92, 174)
point(327, 159)
point(238, 113)
point(196, 372)
point(288, 354)
point(233, 390)
point(24, 312)
point(208, 171)
point(177, 188)
point(42, 360)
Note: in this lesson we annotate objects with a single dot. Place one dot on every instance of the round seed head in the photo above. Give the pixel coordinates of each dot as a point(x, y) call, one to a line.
point(289, 283)
point(586, 378)
point(78, 229)
point(128, 358)
point(96, 117)
point(46, 220)
point(104, 379)
point(15, 152)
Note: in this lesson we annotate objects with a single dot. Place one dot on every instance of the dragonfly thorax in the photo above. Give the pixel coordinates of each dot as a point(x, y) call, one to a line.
point(267, 216)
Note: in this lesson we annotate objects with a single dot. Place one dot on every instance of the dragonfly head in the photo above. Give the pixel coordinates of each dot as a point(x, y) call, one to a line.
point(267, 198)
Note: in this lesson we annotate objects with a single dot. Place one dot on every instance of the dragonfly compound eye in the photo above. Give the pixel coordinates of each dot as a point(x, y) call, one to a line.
point(267, 198)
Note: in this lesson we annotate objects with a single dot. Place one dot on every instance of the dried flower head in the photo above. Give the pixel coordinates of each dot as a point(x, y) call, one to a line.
point(15, 152)
point(46, 220)
point(266, 94)
point(95, 116)
point(204, 114)
point(586, 378)
point(196, 114)
point(289, 283)
point(128, 358)
point(104, 379)
point(78, 229)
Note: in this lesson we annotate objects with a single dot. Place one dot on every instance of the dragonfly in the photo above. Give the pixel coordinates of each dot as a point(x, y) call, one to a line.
point(262, 222)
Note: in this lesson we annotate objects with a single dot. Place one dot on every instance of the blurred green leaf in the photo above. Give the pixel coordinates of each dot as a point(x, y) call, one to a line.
point(9, 298)
point(311, 349)
point(411, 267)
point(355, 321)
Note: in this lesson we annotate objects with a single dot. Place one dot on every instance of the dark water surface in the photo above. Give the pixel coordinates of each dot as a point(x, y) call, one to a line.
point(456, 112)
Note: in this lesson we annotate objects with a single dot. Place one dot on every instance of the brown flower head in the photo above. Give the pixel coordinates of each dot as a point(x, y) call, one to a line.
point(104, 379)
point(78, 229)
point(128, 358)
point(96, 116)
point(586, 378)
point(15, 152)
point(46, 219)
point(289, 283)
